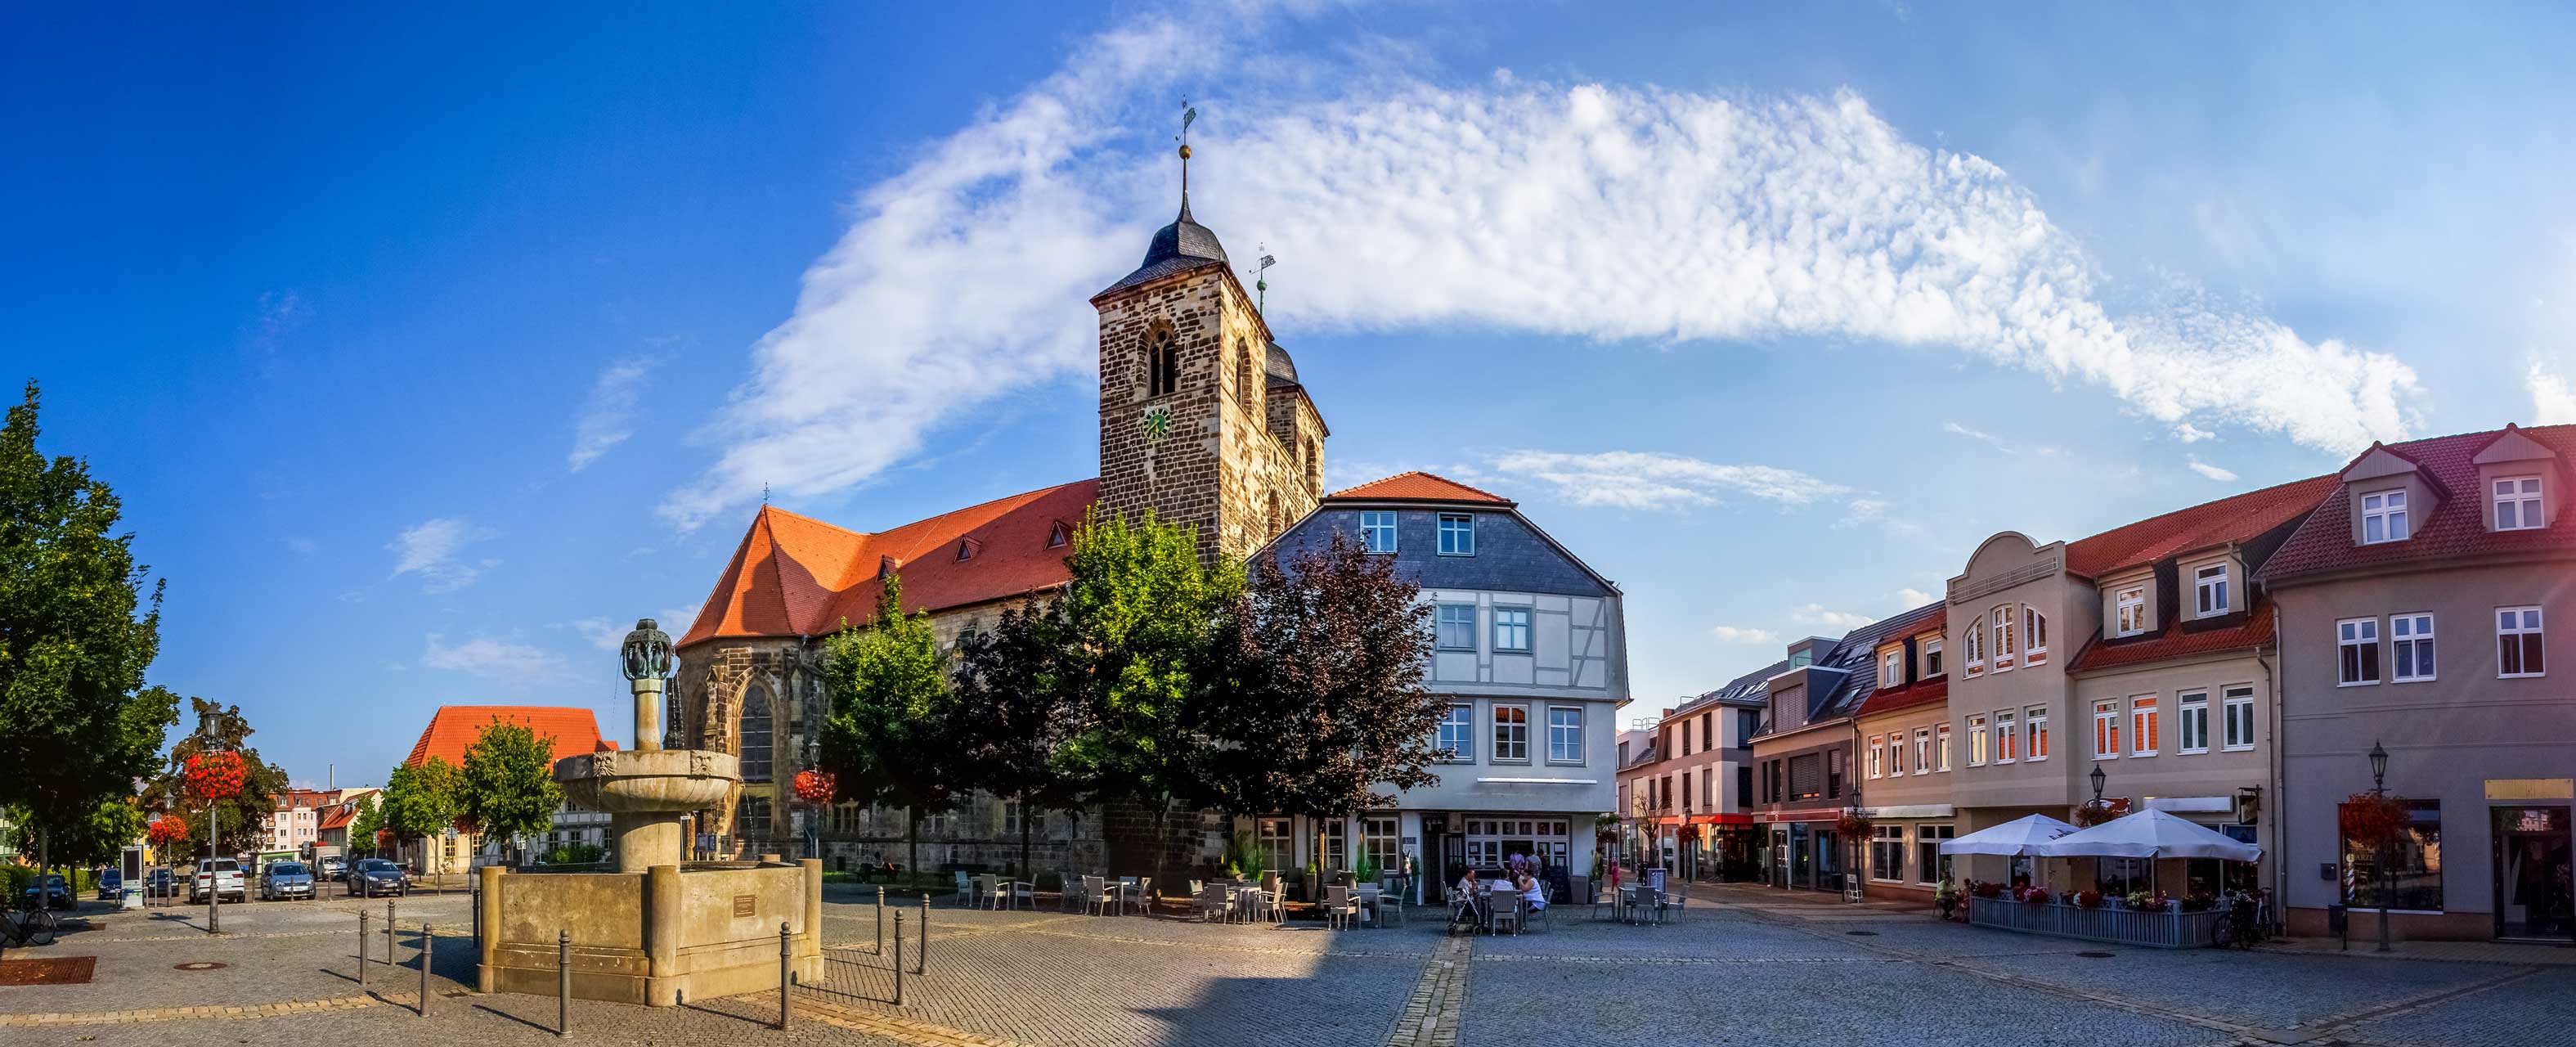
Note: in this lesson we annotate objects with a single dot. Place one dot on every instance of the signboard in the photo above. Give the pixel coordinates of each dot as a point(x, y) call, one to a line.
point(2531, 788)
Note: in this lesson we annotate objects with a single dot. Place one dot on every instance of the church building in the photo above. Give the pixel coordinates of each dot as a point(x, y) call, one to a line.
point(1202, 421)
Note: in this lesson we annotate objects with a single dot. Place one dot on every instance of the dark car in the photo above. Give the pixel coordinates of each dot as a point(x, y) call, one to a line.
point(111, 885)
point(51, 892)
point(161, 883)
point(369, 877)
point(282, 880)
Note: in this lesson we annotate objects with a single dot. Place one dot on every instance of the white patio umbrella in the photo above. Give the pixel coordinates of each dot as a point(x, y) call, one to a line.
point(2026, 835)
point(2150, 834)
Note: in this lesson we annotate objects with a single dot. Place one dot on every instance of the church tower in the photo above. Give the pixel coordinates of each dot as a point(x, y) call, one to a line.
point(1202, 418)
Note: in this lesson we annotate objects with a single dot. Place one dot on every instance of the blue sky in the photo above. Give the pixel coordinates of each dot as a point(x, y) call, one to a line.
point(429, 349)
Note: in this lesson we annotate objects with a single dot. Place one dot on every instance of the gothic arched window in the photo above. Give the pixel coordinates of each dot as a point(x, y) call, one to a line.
point(1162, 364)
point(754, 735)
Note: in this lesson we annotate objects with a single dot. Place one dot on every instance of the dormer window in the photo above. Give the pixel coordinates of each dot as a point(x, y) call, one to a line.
point(2383, 517)
point(1932, 657)
point(1891, 668)
point(2211, 584)
point(1056, 536)
point(965, 551)
point(2132, 603)
point(2517, 504)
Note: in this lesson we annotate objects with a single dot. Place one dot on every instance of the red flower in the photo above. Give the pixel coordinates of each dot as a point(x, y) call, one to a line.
point(166, 830)
point(2372, 821)
point(215, 776)
point(815, 786)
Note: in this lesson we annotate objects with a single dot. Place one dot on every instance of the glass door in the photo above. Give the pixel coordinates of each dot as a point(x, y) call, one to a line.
point(2533, 887)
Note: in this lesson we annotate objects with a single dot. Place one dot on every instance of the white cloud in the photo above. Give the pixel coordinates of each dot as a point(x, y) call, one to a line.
point(1653, 480)
point(1912, 597)
point(2553, 399)
point(2192, 434)
point(429, 549)
point(492, 660)
point(1733, 634)
point(610, 418)
point(2211, 471)
point(1816, 614)
point(601, 632)
point(1578, 209)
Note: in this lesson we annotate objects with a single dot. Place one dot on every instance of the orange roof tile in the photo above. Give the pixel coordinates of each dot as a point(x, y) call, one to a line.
point(2455, 526)
point(2232, 519)
point(455, 727)
point(794, 575)
point(1417, 486)
point(1921, 692)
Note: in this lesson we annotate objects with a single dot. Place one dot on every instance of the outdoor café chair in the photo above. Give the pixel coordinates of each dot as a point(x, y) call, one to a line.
point(1068, 889)
point(1609, 899)
point(991, 892)
point(1676, 904)
point(1370, 899)
point(965, 889)
point(1019, 891)
point(1097, 899)
point(1339, 906)
point(1212, 903)
point(1508, 913)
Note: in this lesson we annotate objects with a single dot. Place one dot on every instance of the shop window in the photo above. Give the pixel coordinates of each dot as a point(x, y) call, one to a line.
point(2414, 877)
point(1887, 853)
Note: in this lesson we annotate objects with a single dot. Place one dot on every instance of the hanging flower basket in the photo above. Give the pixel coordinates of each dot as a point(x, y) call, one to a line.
point(2091, 815)
point(815, 787)
point(1853, 826)
point(2375, 821)
point(166, 830)
point(215, 776)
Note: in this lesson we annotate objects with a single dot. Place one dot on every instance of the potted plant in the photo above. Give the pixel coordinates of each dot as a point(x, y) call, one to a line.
point(2146, 901)
point(2088, 899)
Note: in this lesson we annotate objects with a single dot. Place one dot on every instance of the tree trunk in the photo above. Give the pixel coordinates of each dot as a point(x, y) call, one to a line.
point(912, 835)
point(1025, 869)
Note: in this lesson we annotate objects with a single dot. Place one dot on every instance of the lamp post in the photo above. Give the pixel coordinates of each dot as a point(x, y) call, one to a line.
point(2098, 777)
point(2379, 791)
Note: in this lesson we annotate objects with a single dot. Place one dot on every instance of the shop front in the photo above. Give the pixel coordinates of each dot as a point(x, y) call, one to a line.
point(2535, 896)
point(1807, 851)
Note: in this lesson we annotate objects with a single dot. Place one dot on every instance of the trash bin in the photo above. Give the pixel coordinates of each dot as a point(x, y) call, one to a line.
point(2335, 917)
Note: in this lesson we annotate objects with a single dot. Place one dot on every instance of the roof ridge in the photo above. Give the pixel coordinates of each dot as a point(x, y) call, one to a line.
point(1349, 492)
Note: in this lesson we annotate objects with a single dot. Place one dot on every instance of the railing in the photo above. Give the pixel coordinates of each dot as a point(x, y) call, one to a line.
point(2169, 929)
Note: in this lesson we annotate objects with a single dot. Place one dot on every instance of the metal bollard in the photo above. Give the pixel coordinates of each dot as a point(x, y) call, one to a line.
point(563, 982)
point(426, 939)
point(921, 962)
point(362, 948)
point(389, 932)
point(786, 951)
point(898, 959)
point(880, 919)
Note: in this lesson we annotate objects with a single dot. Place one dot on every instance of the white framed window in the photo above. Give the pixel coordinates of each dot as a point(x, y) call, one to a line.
point(2238, 716)
point(2035, 724)
point(1874, 742)
point(1976, 741)
point(2007, 741)
point(2410, 643)
point(2517, 504)
point(1932, 657)
point(1930, 865)
point(1891, 669)
point(1457, 534)
point(1887, 853)
point(1941, 744)
point(1565, 734)
point(1377, 530)
point(2144, 735)
point(2518, 645)
point(2034, 636)
point(1896, 754)
point(2209, 584)
point(2193, 727)
point(1458, 733)
point(2132, 604)
point(1922, 750)
point(1511, 628)
point(2003, 660)
point(1511, 733)
point(1455, 627)
point(2106, 729)
point(1974, 640)
point(2357, 652)
point(2383, 517)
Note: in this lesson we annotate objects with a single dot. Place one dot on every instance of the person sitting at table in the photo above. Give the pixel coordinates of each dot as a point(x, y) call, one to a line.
point(1530, 890)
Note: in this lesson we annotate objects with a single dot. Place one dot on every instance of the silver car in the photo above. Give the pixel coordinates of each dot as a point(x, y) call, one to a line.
point(283, 880)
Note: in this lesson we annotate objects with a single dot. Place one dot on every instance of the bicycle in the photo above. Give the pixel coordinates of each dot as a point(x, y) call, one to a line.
point(36, 928)
point(2241, 926)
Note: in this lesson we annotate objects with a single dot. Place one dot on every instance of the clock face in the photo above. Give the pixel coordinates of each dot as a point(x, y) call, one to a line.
point(1156, 425)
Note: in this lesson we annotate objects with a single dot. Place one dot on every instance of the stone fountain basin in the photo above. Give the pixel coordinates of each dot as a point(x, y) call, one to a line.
point(647, 782)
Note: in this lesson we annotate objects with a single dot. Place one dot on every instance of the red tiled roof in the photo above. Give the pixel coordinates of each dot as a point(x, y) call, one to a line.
point(794, 575)
point(337, 815)
point(2456, 526)
point(2176, 642)
point(455, 727)
point(1417, 486)
point(2232, 519)
point(1921, 692)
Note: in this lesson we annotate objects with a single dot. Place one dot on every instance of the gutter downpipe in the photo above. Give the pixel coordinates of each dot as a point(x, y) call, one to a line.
point(2280, 776)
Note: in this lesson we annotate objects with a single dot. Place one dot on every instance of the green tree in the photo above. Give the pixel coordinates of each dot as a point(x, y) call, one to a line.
point(220, 728)
point(1011, 712)
point(77, 724)
point(889, 687)
point(507, 786)
point(96, 840)
point(365, 821)
point(1313, 687)
point(419, 799)
point(1139, 613)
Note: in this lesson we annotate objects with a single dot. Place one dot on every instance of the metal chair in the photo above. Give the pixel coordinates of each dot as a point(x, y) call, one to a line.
point(1019, 891)
point(1097, 898)
point(1676, 904)
point(1509, 911)
point(1212, 902)
point(1605, 900)
point(1068, 891)
point(1339, 906)
point(965, 888)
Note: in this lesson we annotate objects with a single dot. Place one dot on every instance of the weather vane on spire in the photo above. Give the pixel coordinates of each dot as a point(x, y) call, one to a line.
point(1261, 280)
point(1189, 115)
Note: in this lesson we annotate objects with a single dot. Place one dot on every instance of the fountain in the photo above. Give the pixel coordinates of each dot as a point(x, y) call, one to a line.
point(658, 929)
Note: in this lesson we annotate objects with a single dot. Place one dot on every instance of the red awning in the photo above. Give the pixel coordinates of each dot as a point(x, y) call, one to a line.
point(1722, 819)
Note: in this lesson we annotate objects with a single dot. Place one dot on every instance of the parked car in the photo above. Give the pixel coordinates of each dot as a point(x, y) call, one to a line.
point(369, 877)
point(161, 883)
point(111, 885)
point(335, 868)
point(51, 892)
point(221, 877)
point(283, 880)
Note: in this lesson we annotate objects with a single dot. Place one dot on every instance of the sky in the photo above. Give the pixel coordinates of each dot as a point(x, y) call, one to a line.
point(429, 349)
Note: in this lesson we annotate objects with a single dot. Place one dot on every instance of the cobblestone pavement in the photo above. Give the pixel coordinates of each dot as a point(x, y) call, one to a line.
point(1741, 967)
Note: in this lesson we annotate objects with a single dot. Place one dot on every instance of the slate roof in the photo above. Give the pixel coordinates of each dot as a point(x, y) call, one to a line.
point(455, 727)
point(2182, 638)
point(2455, 527)
point(794, 575)
point(1179, 247)
point(1417, 486)
point(1856, 654)
point(2232, 519)
point(1752, 688)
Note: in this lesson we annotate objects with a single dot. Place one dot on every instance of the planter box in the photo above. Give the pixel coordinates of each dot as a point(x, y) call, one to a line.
point(2161, 930)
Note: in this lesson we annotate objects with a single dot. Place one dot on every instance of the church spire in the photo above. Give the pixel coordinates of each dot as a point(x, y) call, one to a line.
point(1189, 115)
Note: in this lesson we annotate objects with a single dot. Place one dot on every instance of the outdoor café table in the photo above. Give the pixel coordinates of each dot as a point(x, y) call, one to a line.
point(1628, 902)
point(1134, 888)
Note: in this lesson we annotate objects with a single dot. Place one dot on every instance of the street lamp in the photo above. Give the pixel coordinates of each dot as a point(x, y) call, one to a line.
point(2378, 767)
point(2097, 777)
point(2379, 791)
